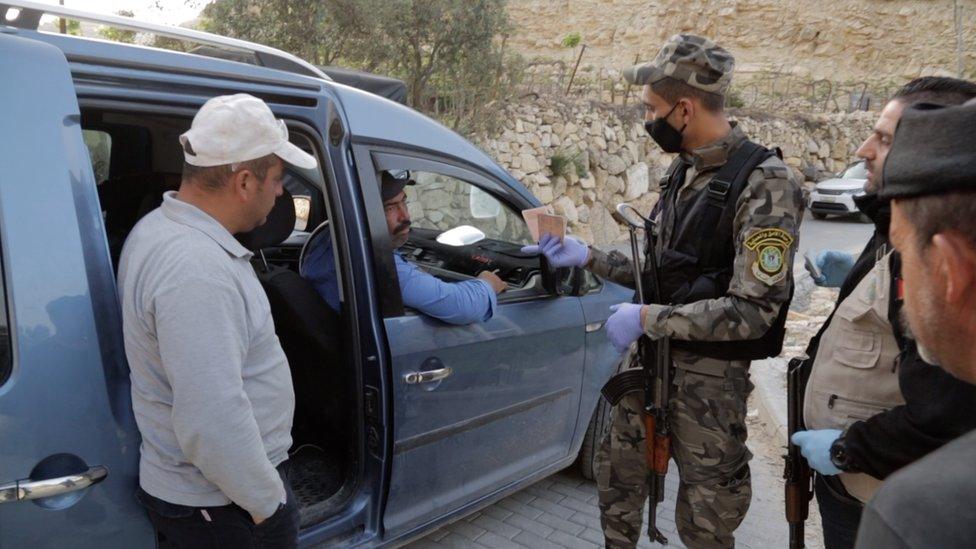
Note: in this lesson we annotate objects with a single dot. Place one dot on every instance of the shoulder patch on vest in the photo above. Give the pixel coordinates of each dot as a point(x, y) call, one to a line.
point(770, 247)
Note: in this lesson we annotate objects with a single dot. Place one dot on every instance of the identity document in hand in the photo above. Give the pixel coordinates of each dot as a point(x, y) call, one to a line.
point(554, 225)
point(531, 218)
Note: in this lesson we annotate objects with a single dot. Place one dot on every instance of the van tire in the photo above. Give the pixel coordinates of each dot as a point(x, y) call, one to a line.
point(597, 429)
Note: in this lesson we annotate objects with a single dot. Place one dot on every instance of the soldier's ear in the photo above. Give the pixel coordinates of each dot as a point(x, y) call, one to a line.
point(689, 109)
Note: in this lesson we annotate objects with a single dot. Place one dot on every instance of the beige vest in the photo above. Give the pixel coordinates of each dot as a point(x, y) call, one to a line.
point(855, 373)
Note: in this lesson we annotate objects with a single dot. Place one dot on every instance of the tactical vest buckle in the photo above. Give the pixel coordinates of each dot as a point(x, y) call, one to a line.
point(718, 190)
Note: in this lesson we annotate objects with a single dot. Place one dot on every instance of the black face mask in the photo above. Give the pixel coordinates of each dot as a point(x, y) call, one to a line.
point(664, 134)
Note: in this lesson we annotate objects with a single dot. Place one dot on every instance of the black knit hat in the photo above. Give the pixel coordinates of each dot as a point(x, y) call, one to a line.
point(393, 183)
point(934, 152)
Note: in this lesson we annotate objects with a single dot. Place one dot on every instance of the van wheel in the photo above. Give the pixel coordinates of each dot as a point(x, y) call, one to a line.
point(599, 425)
point(819, 215)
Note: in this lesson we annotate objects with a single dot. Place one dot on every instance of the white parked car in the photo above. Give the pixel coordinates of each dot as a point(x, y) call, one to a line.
point(835, 196)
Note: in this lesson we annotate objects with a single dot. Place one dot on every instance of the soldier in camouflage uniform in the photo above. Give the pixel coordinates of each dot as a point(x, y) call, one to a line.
point(684, 88)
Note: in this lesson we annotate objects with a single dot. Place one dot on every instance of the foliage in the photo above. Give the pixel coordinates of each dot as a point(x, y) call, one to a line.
point(319, 31)
point(581, 168)
point(733, 99)
point(168, 43)
point(430, 43)
point(119, 35)
point(450, 53)
point(72, 27)
point(572, 40)
point(560, 163)
point(306, 28)
point(563, 161)
point(99, 150)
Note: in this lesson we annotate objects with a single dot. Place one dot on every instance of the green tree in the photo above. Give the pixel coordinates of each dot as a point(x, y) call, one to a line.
point(73, 27)
point(167, 43)
point(119, 35)
point(445, 40)
point(450, 53)
point(319, 31)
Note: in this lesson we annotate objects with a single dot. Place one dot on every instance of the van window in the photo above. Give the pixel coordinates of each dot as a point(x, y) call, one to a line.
point(99, 145)
point(442, 202)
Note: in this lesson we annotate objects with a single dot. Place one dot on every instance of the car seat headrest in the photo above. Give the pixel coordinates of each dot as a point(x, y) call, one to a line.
point(277, 228)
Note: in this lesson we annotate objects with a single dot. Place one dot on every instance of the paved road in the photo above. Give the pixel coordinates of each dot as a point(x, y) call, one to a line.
point(561, 511)
point(834, 233)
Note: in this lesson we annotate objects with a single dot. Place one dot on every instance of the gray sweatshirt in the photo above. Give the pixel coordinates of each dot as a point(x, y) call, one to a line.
point(211, 388)
point(927, 504)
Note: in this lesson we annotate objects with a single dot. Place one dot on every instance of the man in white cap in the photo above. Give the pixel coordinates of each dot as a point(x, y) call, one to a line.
point(211, 388)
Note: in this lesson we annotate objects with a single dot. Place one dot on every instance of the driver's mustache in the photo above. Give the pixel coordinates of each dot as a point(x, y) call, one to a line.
point(402, 226)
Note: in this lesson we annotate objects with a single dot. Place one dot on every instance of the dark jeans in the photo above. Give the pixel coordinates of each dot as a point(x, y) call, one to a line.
point(183, 527)
point(839, 512)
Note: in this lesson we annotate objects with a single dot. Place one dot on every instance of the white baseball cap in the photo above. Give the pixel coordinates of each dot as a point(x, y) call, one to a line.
point(238, 128)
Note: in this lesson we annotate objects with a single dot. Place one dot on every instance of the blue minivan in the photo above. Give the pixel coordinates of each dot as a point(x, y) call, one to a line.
point(403, 423)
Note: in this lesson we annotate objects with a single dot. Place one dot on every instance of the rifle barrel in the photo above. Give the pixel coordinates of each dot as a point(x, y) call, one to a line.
point(635, 257)
point(797, 471)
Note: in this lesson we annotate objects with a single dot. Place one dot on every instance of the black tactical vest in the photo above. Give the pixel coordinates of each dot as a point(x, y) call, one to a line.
point(697, 264)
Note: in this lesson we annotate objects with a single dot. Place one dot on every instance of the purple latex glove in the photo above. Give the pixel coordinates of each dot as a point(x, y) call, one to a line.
point(568, 252)
point(624, 325)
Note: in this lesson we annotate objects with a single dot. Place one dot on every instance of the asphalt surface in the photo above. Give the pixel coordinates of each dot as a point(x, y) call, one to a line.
point(847, 234)
point(561, 511)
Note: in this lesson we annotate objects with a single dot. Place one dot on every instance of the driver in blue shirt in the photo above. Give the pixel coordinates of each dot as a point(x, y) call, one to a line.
point(452, 302)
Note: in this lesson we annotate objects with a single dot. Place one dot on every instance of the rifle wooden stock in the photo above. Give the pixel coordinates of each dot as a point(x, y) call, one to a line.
point(658, 448)
point(662, 453)
point(797, 506)
point(649, 447)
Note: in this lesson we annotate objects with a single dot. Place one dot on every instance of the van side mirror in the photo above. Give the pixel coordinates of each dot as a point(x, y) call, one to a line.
point(555, 281)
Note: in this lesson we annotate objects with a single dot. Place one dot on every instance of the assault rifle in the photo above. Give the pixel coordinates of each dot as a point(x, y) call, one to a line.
point(653, 378)
point(799, 478)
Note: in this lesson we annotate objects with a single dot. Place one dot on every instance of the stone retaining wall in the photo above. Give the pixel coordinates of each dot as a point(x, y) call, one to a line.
point(583, 158)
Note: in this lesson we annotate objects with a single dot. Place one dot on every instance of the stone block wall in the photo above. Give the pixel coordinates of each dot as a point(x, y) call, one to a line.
point(618, 162)
point(841, 40)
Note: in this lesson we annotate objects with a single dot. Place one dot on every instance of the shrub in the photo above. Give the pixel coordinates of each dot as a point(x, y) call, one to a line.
point(733, 99)
point(562, 162)
point(572, 40)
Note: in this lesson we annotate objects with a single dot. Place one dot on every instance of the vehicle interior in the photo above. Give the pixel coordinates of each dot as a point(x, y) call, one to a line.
point(136, 158)
point(459, 230)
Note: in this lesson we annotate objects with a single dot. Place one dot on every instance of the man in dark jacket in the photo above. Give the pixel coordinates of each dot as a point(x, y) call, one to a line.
point(871, 410)
point(931, 178)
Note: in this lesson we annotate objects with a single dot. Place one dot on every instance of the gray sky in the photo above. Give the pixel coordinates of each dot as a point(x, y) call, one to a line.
point(173, 12)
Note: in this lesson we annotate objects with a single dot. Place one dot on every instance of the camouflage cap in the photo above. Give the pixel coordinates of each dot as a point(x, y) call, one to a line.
point(694, 60)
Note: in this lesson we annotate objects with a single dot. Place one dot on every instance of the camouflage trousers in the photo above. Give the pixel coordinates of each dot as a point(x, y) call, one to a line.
point(708, 443)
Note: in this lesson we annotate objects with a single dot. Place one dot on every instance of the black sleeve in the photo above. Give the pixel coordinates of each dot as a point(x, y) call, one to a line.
point(938, 408)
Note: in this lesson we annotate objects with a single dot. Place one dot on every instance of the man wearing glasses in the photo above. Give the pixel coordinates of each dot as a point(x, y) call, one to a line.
point(452, 302)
